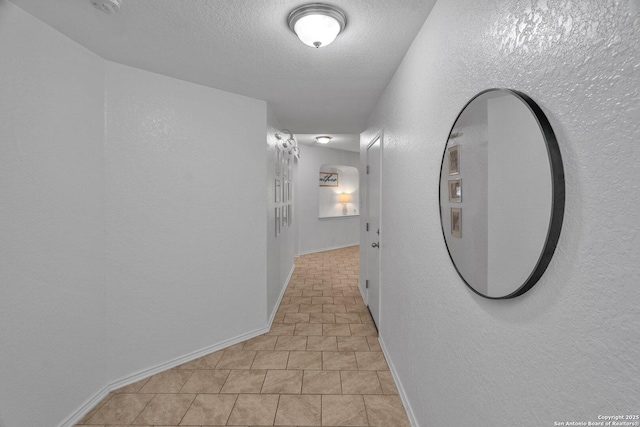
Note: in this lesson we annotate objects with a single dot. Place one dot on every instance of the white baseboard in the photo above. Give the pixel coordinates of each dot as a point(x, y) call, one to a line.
point(328, 249)
point(401, 392)
point(284, 289)
point(363, 293)
point(77, 416)
point(74, 418)
point(92, 402)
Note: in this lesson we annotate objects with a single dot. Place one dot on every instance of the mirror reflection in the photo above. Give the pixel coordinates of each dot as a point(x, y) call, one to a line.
point(338, 193)
point(501, 193)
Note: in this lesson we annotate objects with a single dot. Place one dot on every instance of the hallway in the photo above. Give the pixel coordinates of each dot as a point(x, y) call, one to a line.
point(320, 364)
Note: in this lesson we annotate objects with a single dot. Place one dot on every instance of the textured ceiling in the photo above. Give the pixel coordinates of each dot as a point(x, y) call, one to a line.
point(245, 47)
point(347, 142)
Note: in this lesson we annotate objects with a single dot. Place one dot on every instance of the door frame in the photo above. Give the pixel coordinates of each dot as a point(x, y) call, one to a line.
point(378, 137)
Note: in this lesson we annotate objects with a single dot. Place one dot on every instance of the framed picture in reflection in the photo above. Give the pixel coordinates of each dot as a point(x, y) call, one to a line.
point(455, 190)
point(454, 160)
point(456, 222)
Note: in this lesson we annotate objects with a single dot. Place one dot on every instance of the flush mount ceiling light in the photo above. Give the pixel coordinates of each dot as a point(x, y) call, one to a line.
point(324, 139)
point(107, 6)
point(317, 24)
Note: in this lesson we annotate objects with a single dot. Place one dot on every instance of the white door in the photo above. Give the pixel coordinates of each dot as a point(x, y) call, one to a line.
point(373, 227)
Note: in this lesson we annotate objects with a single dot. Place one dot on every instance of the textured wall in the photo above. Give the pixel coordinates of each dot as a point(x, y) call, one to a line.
point(569, 348)
point(280, 250)
point(185, 195)
point(52, 330)
point(322, 234)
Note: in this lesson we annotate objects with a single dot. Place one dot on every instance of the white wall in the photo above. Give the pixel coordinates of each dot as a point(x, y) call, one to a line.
point(186, 243)
point(185, 170)
point(569, 348)
point(280, 250)
point(321, 234)
point(179, 181)
point(52, 312)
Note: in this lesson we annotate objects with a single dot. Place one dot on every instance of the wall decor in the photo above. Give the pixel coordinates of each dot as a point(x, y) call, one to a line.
point(514, 193)
point(454, 160)
point(329, 197)
point(328, 179)
point(456, 222)
point(285, 191)
point(289, 145)
point(283, 164)
point(278, 190)
point(455, 190)
point(285, 222)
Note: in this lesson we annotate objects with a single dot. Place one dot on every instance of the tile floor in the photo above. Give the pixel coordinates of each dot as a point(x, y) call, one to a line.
point(319, 365)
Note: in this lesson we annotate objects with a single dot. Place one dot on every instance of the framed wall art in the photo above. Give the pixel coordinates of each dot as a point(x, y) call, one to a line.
point(285, 222)
point(328, 179)
point(285, 191)
point(278, 190)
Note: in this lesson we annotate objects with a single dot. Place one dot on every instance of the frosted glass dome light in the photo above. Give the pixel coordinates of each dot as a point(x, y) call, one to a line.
point(316, 24)
point(324, 139)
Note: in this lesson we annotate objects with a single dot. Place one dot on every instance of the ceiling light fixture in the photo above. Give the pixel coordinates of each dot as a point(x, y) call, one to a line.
point(324, 139)
point(317, 24)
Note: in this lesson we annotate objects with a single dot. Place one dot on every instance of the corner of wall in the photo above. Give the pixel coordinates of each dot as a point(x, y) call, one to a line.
point(401, 391)
point(280, 247)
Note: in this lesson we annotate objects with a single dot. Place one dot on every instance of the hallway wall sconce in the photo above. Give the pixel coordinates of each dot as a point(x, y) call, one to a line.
point(344, 199)
point(323, 139)
point(316, 24)
point(289, 145)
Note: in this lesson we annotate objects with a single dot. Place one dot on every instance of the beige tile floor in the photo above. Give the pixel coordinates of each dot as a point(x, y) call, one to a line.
point(319, 365)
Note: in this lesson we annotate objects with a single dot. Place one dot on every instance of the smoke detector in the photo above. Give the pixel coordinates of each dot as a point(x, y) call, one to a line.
point(107, 6)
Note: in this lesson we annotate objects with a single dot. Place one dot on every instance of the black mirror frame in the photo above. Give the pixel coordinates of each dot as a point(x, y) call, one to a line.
point(558, 193)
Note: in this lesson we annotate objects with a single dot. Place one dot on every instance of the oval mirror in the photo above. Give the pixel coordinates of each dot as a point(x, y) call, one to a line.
point(501, 193)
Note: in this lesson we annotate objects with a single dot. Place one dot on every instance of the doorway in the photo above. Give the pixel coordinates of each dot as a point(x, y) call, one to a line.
point(373, 246)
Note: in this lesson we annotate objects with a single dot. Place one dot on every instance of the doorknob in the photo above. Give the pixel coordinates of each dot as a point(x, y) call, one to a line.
point(375, 245)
